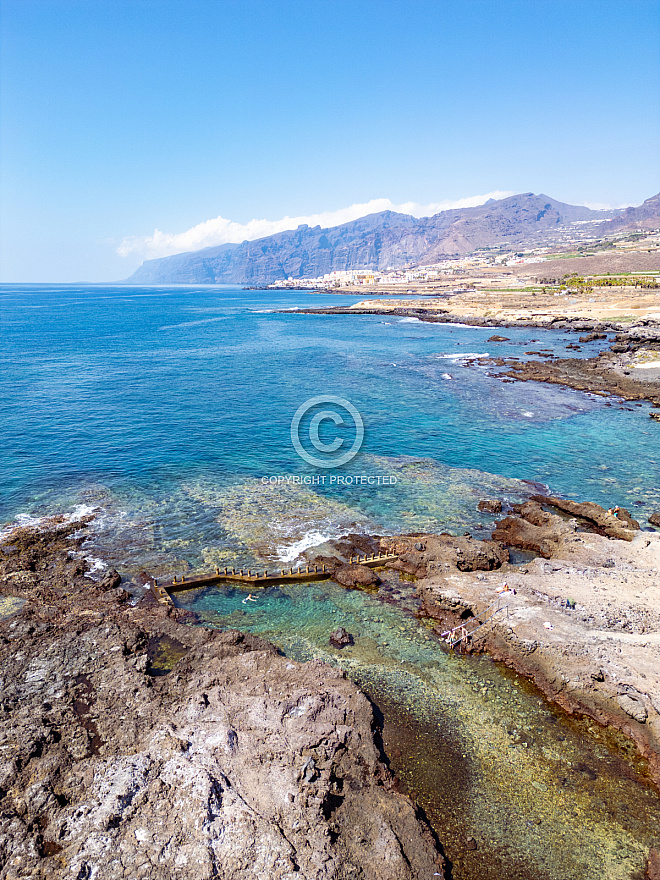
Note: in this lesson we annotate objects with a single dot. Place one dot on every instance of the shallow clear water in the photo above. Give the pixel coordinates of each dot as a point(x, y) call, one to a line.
point(164, 409)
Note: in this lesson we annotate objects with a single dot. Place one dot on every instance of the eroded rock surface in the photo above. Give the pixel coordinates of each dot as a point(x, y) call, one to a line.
point(355, 576)
point(582, 619)
point(238, 763)
point(422, 555)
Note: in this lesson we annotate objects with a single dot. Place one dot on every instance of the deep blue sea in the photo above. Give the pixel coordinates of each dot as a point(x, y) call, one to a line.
point(168, 411)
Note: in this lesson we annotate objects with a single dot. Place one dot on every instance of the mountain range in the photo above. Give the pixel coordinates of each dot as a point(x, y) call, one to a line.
point(389, 240)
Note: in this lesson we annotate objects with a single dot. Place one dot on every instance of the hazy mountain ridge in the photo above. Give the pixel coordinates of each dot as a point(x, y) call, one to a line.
point(385, 240)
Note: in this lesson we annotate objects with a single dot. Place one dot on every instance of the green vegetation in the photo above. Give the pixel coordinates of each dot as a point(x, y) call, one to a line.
point(575, 283)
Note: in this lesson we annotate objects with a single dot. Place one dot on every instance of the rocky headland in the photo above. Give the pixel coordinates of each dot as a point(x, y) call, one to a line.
point(134, 745)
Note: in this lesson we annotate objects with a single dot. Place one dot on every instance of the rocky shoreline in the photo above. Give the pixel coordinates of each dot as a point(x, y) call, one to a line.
point(580, 618)
point(238, 762)
point(136, 745)
point(438, 315)
point(627, 370)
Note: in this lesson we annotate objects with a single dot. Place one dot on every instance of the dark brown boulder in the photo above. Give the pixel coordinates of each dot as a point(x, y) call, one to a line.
point(498, 338)
point(490, 505)
point(480, 556)
point(356, 576)
point(117, 594)
point(533, 529)
point(517, 532)
point(110, 580)
point(654, 519)
point(340, 638)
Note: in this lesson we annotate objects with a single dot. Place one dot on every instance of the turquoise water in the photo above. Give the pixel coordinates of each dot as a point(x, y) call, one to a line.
point(168, 411)
point(154, 399)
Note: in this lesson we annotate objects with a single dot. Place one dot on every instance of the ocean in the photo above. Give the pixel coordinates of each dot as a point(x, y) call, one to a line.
point(168, 412)
point(161, 404)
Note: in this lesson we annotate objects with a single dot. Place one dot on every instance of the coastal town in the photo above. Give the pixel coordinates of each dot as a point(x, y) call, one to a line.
point(491, 265)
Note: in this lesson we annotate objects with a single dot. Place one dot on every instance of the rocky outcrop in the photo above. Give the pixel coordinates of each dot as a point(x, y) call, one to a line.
point(532, 528)
point(614, 523)
point(237, 763)
point(654, 519)
point(355, 576)
point(110, 581)
point(581, 620)
point(490, 506)
point(420, 555)
point(603, 375)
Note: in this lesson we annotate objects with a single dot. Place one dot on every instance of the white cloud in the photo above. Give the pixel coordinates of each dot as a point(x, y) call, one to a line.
point(219, 230)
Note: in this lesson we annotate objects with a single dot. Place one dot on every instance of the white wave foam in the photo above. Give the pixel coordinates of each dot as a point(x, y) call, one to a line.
point(293, 551)
point(97, 565)
point(447, 376)
point(26, 520)
point(465, 356)
point(410, 321)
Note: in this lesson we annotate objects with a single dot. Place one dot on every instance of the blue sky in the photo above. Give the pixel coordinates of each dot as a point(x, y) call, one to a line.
point(121, 118)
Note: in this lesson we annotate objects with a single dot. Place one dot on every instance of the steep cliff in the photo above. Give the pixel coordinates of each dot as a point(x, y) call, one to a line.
point(379, 241)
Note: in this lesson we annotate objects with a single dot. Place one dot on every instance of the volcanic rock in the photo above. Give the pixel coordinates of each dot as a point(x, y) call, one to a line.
point(633, 706)
point(237, 763)
point(355, 576)
point(609, 524)
point(591, 337)
point(340, 638)
point(626, 517)
point(110, 581)
point(653, 865)
point(490, 506)
point(444, 552)
point(654, 519)
point(533, 529)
